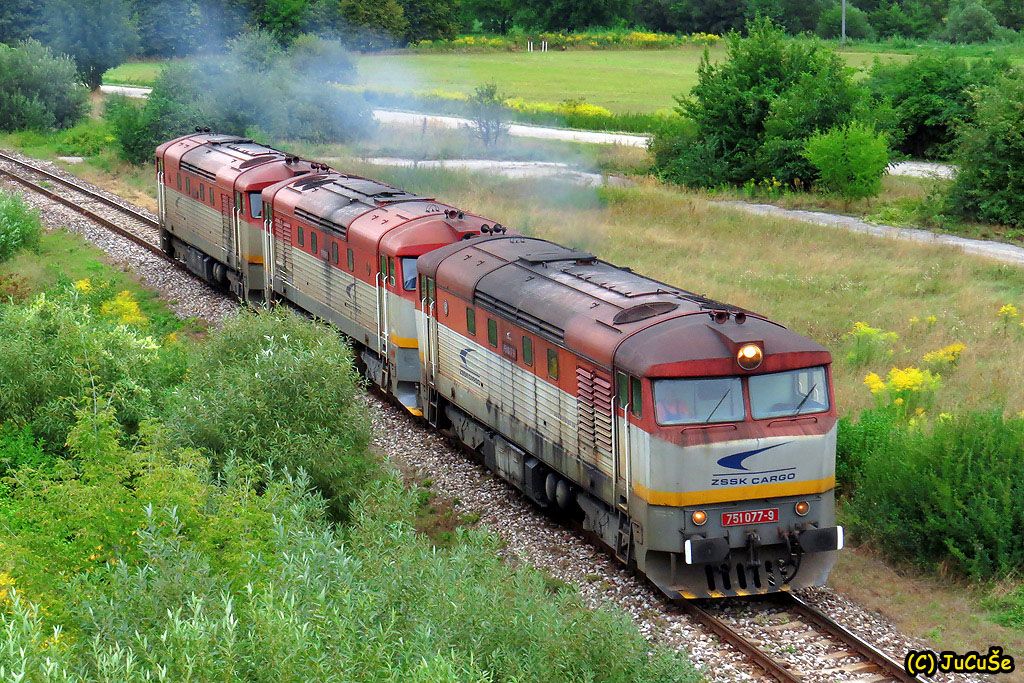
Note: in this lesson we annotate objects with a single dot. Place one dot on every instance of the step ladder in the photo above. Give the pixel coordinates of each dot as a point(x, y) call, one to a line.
point(624, 539)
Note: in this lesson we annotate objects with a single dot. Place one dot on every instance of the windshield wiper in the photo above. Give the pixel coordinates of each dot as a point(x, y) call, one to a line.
point(717, 405)
point(804, 400)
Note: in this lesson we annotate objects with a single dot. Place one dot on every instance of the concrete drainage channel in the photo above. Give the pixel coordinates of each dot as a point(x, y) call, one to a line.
point(528, 536)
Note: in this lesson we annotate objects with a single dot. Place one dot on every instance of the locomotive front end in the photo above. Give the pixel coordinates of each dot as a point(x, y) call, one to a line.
point(734, 464)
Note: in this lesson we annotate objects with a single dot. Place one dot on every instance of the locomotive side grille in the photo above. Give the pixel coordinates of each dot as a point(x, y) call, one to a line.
point(594, 417)
point(195, 170)
point(526, 320)
point(322, 223)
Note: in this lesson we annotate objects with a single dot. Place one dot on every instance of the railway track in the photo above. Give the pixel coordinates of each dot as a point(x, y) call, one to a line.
point(843, 655)
point(130, 224)
point(848, 658)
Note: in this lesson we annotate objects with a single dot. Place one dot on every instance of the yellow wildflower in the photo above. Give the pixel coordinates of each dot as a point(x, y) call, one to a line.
point(911, 379)
point(125, 308)
point(947, 355)
point(931, 320)
point(1008, 312)
point(6, 584)
point(945, 417)
point(898, 401)
point(84, 285)
point(874, 383)
point(919, 412)
point(914, 320)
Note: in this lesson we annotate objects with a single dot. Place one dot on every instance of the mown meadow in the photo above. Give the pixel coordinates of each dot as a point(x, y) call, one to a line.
point(157, 527)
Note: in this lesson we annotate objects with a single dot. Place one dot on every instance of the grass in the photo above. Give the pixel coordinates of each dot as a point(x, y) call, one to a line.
point(622, 81)
point(66, 255)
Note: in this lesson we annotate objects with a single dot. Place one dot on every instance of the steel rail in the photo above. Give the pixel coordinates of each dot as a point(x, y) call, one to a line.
point(91, 215)
point(728, 635)
point(886, 664)
point(103, 199)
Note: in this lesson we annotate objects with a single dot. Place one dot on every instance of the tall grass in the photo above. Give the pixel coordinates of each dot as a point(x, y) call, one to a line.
point(19, 226)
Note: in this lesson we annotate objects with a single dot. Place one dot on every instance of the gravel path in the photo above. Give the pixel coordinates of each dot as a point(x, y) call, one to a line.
point(1007, 253)
point(529, 536)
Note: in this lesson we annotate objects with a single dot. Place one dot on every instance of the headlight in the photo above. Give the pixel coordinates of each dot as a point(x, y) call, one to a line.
point(699, 517)
point(749, 356)
point(802, 508)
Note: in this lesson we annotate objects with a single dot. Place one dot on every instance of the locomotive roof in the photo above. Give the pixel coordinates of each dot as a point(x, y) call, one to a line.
point(606, 312)
point(225, 158)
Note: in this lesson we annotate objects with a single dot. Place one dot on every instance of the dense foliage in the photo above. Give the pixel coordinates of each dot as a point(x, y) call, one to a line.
point(294, 87)
point(129, 553)
point(946, 494)
point(931, 95)
point(38, 90)
point(990, 152)
point(19, 226)
point(753, 111)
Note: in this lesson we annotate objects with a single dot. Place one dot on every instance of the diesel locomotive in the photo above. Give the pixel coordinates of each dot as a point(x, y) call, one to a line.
point(695, 439)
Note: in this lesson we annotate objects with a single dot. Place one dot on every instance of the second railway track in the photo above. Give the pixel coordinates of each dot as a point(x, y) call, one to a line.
point(111, 214)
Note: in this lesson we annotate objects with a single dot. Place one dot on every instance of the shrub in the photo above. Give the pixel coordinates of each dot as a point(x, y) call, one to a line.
point(971, 22)
point(752, 111)
point(931, 95)
point(850, 160)
point(858, 26)
point(61, 355)
point(945, 358)
point(294, 403)
point(19, 226)
point(908, 391)
point(487, 110)
point(38, 90)
point(946, 495)
point(989, 185)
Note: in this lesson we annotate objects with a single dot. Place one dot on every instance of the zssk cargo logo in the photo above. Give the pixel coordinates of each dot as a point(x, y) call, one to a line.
point(742, 476)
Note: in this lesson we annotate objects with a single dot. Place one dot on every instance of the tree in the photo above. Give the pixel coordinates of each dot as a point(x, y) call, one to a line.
point(709, 16)
point(890, 20)
point(487, 111)
point(286, 19)
point(989, 185)
point(430, 19)
point(857, 25)
point(796, 16)
point(1009, 13)
point(97, 34)
point(971, 22)
point(38, 89)
point(752, 111)
point(363, 24)
point(497, 16)
point(931, 95)
point(19, 19)
point(575, 15)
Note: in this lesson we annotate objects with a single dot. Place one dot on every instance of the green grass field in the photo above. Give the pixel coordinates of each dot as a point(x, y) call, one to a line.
point(622, 81)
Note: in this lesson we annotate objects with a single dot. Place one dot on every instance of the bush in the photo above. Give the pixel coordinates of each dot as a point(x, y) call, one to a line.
point(989, 185)
point(946, 495)
point(971, 22)
point(931, 95)
point(294, 403)
point(858, 26)
point(753, 111)
point(869, 344)
point(19, 226)
point(850, 160)
point(38, 90)
point(61, 354)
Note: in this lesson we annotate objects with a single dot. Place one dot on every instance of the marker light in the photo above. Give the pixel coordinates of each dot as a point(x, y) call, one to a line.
point(749, 356)
point(802, 508)
point(699, 517)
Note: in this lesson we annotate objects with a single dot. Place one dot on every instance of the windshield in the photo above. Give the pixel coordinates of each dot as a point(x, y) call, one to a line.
point(697, 401)
point(256, 204)
point(795, 392)
point(409, 274)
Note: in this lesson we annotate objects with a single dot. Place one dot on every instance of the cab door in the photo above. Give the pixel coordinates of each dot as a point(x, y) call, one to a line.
point(628, 408)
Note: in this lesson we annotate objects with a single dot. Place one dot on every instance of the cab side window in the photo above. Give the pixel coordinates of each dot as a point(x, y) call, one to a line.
point(471, 321)
point(636, 403)
point(492, 331)
point(552, 364)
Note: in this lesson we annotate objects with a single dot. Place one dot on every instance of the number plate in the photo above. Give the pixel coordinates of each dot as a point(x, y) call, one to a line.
point(750, 517)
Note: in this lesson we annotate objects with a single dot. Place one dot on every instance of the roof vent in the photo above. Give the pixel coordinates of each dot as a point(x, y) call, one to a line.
point(635, 314)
